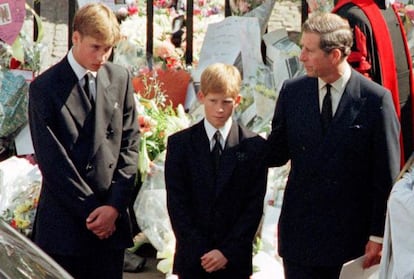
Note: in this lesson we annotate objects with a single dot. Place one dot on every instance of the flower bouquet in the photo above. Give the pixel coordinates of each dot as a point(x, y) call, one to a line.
point(157, 120)
point(20, 183)
point(171, 81)
point(25, 53)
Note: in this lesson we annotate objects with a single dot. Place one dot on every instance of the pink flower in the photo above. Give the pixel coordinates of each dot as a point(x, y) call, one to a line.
point(244, 7)
point(409, 11)
point(132, 10)
point(398, 5)
point(164, 50)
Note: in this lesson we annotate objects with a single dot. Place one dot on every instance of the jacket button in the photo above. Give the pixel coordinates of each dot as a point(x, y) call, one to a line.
point(89, 167)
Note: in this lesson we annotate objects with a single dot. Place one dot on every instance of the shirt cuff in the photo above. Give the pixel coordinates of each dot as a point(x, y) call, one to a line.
point(376, 239)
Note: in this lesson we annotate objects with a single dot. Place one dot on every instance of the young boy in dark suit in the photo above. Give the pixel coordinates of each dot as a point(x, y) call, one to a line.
point(85, 134)
point(215, 185)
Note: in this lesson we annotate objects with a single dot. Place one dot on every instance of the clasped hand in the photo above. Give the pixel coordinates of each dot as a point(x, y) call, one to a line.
point(101, 221)
point(213, 261)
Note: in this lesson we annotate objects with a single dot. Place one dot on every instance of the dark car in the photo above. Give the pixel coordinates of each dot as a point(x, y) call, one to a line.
point(22, 259)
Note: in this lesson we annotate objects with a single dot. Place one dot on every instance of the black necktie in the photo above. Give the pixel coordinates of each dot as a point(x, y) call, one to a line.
point(89, 81)
point(326, 114)
point(217, 149)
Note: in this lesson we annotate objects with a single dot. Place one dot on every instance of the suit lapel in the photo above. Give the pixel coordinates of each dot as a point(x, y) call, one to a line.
point(201, 152)
point(228, 158)
point(348, 109)
point(308, 127)
point(106, 105)
point(349, 106)
point(78, 105)
point(71, 95)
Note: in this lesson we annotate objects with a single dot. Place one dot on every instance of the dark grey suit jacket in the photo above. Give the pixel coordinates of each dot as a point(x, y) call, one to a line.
point(206, 215)
point(87, 159)
point(337, 189)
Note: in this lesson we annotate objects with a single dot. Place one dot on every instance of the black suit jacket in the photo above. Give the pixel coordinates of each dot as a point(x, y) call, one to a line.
point(206, 215)
point(337, 188)
point(87, 158)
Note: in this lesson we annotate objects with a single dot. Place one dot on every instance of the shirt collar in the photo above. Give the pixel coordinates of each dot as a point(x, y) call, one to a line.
point(340, 84)
point(224, 131)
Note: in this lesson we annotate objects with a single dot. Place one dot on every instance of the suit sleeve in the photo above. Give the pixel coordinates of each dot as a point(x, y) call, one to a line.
point(179, 196)
point(386, 162)
point(277, 149)
point(124, 176)
point(59, 174)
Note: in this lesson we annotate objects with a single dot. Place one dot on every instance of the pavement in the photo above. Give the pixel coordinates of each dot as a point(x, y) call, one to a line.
point(54, 15)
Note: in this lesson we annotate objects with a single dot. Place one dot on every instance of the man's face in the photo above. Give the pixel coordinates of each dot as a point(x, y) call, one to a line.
point(89, 52)
point(218, 108)
point(317, 63)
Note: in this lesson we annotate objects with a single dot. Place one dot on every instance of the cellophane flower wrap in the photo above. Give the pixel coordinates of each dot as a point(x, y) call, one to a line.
point(20, 183)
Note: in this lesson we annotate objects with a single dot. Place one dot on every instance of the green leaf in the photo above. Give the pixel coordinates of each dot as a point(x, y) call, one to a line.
point(18, 50)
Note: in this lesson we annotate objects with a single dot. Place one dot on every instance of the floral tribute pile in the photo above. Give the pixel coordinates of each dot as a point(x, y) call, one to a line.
point(19, 62)
point(168, 37)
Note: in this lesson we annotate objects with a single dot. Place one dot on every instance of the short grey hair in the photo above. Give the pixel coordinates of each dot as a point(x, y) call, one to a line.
point(334, 31)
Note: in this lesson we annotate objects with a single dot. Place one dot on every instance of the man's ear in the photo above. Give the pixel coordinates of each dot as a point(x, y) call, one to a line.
point(336, 55)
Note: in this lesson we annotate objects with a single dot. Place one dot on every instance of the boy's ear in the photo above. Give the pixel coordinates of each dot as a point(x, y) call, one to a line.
point(238, 99)
point(75, 37)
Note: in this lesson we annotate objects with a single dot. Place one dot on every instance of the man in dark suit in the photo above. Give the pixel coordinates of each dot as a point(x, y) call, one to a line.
point(215, 185)
point(344, 152)
point(85, 136)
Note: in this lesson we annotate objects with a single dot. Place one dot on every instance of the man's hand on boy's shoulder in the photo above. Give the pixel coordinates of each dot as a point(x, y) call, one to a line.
point(213, 261)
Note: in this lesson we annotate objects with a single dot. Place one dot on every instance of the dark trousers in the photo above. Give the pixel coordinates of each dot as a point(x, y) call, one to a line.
point(95, 266)
point(295, 270)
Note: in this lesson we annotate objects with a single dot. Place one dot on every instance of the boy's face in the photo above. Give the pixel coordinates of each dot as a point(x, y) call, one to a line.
point(89, 52)
point(218, 108)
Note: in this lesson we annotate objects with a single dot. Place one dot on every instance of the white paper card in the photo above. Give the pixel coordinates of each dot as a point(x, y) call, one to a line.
point(23, 142)
point(353, 270)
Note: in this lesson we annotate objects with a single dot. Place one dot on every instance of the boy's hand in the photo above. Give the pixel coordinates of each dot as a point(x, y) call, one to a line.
point(213, 261)
point(101, 221)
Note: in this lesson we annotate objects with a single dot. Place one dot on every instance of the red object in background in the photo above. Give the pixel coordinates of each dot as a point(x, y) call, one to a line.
point(14, 63)
point(173, 82)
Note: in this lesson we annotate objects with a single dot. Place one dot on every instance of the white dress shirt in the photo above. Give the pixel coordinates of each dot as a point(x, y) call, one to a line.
point(224, 132)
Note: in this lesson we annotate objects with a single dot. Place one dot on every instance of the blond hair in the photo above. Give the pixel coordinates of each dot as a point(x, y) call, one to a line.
point(98, 21)
point(221, 78)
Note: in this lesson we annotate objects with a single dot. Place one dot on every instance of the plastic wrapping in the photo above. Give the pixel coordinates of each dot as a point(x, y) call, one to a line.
point(151, 208)
point(19, 192)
